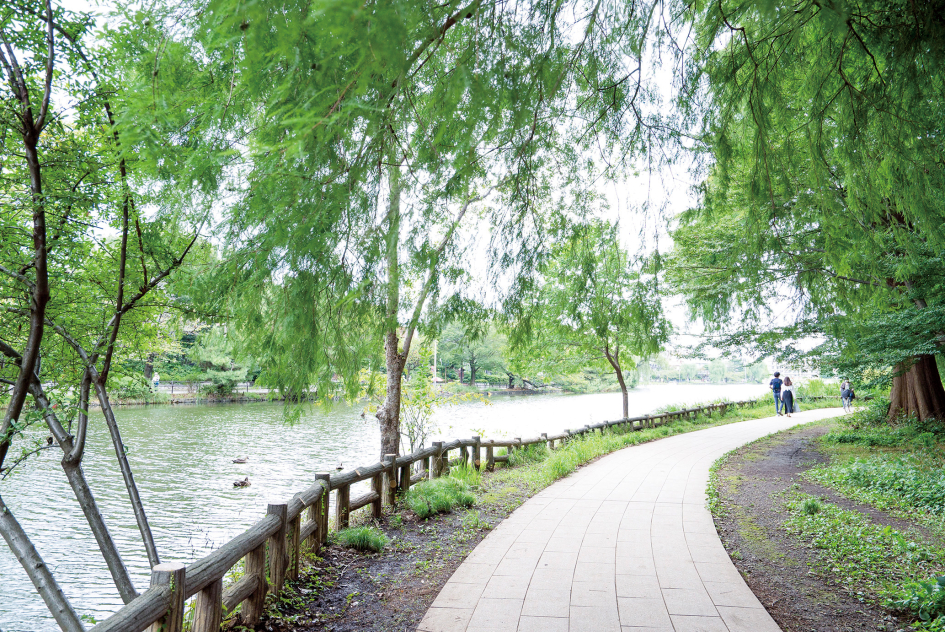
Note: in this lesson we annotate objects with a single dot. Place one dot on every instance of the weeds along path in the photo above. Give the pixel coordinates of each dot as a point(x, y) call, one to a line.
point(623, 543)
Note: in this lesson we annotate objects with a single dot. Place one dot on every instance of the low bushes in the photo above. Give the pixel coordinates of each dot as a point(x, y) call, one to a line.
point(365, 538)
point(439, 495)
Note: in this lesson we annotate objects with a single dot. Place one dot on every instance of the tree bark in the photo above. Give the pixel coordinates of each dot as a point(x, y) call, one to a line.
point(917, 390)
point(72, 466)
point(140, 517)
point(388, 414)
point(614, 359)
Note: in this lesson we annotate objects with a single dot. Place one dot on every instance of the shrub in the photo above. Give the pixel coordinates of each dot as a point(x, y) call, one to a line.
point(529, 454)
point(467, 474)
point(363, 538)
point(438, 496)
point(811, 506)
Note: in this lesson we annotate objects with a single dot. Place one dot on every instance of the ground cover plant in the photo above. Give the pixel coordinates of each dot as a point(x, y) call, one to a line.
point(438, 495)
point(363, 538)
point(897, 468)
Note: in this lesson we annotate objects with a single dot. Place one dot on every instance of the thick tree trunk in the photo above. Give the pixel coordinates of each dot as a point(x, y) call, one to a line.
point(388, 414)
point(462, 371)
point(917, 390)
point(472, 374)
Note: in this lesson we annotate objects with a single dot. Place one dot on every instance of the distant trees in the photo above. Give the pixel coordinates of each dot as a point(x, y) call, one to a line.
point(480, 351)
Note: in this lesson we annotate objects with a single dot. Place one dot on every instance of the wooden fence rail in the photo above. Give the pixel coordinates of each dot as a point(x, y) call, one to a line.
point(271, 548)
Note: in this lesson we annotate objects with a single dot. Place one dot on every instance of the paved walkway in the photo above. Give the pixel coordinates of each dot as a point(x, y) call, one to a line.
point(623, 545)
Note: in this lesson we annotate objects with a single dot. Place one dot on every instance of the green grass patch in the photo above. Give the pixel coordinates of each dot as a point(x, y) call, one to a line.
point(467, 474)
point(365, 538)
point(439, 495)
point(861, 555)
point(534, 453)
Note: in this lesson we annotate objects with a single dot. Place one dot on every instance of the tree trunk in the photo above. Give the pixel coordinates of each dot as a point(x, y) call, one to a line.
point(71, 465)
point(614, 359)
point(388, 413)
point(917, 390)
point(462, 371)
point(120, 452)
point(472, 374)
point(511, 381)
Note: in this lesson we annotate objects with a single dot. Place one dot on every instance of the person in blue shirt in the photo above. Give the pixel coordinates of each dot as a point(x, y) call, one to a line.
point(775, 385)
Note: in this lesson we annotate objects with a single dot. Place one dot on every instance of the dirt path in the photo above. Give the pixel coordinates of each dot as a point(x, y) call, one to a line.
point(776, 566)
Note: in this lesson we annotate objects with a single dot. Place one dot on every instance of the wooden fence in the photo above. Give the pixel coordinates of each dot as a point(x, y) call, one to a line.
point(275, 542)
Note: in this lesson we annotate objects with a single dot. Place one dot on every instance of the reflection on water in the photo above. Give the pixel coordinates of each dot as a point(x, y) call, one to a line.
point(183, 462)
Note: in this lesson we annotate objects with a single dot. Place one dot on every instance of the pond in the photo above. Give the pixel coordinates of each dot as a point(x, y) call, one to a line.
point(182, 458)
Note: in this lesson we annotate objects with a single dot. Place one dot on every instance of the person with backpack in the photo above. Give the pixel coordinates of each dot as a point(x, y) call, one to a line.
point(775, 386)
point(846, 396)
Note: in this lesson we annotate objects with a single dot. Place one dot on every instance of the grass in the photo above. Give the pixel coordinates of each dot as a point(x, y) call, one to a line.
point(439, 495)
point(861, 555)
point(895, 468)
point(363, 538)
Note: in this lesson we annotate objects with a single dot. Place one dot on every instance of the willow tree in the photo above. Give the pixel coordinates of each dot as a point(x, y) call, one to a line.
point(591, 308)
point(825, 185)
point(380, 141)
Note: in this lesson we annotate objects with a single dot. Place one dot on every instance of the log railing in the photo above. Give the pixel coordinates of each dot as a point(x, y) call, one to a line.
point(271, 548)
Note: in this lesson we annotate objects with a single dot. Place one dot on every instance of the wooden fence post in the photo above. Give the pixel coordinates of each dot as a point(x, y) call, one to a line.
point(550, 444)
point(463, 455)
point(405, 471)
point(476, 452)
point(208, 611)
point(377, 486)
point(318, 512)
point(490, 456)
point(518, 441)
point(295, 546)
point(170, 574)
point(389, 479)
point(277, 553)
point(428, 473)
point(253, 605)
point(342, 506)
point(438, 459)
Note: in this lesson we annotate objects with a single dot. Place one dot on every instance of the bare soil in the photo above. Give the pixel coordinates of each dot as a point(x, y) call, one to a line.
point(777, 567)
point(347, 591)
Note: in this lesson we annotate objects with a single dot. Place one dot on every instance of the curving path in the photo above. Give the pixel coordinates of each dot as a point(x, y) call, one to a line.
point(625, 544)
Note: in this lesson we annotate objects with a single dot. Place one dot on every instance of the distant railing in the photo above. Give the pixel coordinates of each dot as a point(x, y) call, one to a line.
point(284, 529)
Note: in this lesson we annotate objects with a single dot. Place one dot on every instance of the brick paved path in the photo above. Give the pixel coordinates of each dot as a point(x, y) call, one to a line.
point(623, 545)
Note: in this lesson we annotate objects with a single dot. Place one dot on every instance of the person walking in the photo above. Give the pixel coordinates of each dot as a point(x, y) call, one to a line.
point(846, 396)
point(775, 386)
point(787, 396)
